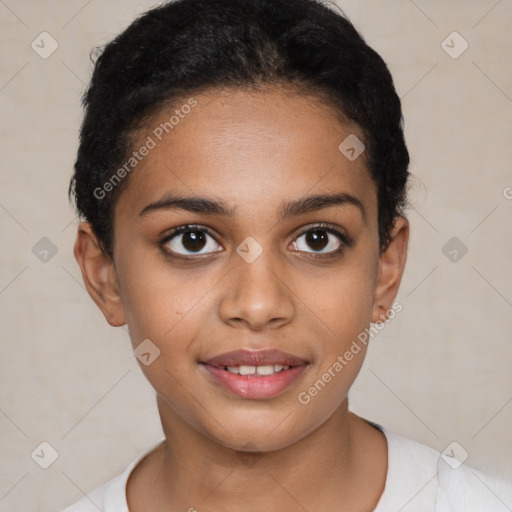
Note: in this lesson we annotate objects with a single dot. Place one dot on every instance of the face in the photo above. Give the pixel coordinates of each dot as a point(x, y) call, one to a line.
point(246, 230)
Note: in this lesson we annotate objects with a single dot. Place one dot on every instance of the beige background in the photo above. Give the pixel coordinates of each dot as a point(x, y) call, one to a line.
point(439, 372)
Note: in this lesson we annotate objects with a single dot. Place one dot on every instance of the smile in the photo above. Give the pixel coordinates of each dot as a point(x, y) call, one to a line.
point(256, 370)
point(254, 375)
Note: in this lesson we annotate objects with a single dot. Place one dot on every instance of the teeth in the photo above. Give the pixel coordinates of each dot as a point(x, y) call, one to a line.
point(265, 370)
point(247, 370)
point(256, 370)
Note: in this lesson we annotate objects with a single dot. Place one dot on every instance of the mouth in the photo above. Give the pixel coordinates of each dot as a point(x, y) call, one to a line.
point(258, 371)
point(255, 375)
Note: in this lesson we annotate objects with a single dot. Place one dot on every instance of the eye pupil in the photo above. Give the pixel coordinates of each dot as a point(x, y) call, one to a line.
point(193, 240)
point(317, 239)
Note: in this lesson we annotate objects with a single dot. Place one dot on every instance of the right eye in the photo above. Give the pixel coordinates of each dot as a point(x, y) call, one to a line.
point(190, 240)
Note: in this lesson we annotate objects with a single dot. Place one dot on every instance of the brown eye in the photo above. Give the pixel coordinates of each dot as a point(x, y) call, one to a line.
point(321, 240)
point(190, 240)
point(317, 239)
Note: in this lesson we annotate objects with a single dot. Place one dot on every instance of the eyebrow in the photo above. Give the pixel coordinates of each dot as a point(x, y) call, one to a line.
point(209, 206)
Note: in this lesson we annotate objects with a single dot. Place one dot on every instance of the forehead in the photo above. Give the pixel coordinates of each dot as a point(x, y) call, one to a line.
point(251, 149)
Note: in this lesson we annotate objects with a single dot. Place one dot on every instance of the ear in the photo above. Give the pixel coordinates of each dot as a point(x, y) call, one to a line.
point(99, 275)
point(391, 267)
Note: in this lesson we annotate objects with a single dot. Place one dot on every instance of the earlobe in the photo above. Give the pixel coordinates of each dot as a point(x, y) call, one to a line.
point(391, 267)
point(99, 275)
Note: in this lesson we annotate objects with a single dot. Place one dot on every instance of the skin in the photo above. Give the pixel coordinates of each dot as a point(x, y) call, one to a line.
point(253, 151)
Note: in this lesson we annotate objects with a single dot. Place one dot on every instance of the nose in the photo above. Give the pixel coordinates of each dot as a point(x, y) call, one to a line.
point(257, 295)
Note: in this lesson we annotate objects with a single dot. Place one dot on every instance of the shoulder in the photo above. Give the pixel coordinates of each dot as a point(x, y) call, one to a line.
point(422, 479)
point(111, 496)
point(411, 482)
point(465, 489)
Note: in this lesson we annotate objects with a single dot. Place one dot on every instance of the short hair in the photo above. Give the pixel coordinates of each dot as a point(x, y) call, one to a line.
point(197, 45)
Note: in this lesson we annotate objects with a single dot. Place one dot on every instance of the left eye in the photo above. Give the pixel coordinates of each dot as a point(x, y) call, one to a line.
point(324, 240)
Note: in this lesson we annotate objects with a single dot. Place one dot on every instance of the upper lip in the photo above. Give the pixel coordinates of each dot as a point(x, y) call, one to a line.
point(255, 358)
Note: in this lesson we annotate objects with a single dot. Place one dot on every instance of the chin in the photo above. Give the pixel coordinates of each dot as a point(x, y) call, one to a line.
point(259, 432)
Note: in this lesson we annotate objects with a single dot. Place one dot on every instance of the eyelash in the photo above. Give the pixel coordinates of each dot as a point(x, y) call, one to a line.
point(343, 238)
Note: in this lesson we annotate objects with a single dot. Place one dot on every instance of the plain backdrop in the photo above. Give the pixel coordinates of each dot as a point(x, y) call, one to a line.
point(438, 373)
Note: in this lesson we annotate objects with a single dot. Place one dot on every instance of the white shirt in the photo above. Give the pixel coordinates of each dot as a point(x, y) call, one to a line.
point(419, 479)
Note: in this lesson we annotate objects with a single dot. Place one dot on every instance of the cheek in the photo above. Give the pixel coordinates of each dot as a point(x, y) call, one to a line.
point(160, 301)
point(340, 310)
point(328, 386)
point(341, 300)
point(168, 308)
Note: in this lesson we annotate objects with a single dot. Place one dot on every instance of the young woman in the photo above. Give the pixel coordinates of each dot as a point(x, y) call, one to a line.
point(241, 178)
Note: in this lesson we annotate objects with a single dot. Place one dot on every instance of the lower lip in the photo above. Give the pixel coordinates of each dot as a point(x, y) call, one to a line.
point(254, 387)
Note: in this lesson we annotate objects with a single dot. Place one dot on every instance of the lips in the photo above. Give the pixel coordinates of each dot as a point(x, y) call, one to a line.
point(255, 375)
point(255, 358)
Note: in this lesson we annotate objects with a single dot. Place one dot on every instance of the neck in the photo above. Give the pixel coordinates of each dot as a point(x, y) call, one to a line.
point(337, 461)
